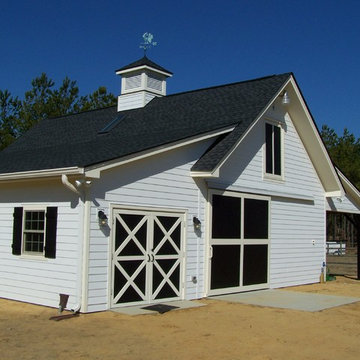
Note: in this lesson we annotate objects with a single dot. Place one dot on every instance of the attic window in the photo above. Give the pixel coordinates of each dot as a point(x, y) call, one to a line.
point(112, 124)
point(273, 150)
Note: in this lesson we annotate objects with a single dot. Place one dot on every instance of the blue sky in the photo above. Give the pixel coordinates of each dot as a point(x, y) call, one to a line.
point(204, 43)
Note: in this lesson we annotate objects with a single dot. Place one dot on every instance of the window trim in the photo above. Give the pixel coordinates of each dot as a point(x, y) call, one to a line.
point(241, 241)
point(23, 230)
point(50, 231)
point(268, 175)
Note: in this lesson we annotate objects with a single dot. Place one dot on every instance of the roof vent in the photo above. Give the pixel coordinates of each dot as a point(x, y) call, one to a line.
point(141, 81)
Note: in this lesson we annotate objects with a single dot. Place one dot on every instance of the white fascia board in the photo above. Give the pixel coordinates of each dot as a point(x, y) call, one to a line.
point(314, 145)
point(349, 187)
point(331, 194)
point(143, 67)
point(304, 196)
point(95, 170)
point(215, 172)
point(205, 174)
point(201, 174)
point(24, 175)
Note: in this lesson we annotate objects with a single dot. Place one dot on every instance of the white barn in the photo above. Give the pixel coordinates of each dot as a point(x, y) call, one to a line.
point(211, 191)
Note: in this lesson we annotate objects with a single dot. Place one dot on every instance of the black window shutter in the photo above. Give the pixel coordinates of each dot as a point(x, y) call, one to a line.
point(17, 231)
point(50, 236)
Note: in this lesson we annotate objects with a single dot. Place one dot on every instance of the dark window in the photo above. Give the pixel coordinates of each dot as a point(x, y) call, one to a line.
point(225, 266)
point(255, 264)
point(273, 149)
point(256, 219)
point(226, 220)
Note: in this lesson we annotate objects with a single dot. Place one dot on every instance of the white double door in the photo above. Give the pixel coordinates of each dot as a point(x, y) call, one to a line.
point(147, 257)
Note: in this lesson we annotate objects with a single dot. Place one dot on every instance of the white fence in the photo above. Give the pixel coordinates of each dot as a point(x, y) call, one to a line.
point(335, 248)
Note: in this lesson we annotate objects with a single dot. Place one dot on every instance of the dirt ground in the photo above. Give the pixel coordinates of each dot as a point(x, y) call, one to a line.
point(219, 330)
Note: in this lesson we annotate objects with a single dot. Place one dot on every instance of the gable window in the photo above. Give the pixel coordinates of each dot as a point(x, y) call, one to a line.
point(34, 232)
point(273, 149)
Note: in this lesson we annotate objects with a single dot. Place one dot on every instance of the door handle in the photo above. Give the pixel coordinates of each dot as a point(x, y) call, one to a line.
point(148, 255)
point(153, 258)
point(211, 252)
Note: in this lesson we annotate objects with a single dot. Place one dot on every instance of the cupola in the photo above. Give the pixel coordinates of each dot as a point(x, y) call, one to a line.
point(141, 81)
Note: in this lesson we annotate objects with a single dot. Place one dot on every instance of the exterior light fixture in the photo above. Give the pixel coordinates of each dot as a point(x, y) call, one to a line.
point(285, 98)
point(103, 220)
point(86, 183)
point(197, 223)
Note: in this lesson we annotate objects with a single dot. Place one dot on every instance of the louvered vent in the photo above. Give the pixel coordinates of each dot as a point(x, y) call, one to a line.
point(133, 82)
point(154, 82)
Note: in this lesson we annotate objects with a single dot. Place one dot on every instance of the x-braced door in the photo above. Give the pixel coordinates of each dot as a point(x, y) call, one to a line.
point(147, 257)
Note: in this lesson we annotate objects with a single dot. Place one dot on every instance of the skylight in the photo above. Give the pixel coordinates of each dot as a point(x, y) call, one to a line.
point(112, 124)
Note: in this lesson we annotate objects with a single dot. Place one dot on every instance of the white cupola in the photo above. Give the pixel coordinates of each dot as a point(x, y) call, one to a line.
point(141, 81)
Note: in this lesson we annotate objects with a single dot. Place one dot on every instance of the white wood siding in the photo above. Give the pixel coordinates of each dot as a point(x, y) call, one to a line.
point(297, 241)
point(162, 181)
point(342, 204)
point(40, 280)
point(134, 100)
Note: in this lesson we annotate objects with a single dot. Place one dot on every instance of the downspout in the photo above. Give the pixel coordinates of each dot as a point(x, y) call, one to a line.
point(85, 251)
point(69, 185)
point(82, 299)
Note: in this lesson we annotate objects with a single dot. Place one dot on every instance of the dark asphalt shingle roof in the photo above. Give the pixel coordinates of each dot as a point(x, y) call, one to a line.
point(74, 140)
point(144, 61)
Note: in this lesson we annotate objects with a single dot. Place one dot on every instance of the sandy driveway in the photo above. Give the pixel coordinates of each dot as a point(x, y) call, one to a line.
point(219, 330)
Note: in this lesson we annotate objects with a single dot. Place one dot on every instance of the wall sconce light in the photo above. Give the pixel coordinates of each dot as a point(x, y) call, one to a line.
point(285, 98)
point(86, 183)
point(103, 220)
point(197, 223)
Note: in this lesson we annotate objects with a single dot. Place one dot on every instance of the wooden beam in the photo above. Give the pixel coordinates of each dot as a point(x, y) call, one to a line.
point(356, 222)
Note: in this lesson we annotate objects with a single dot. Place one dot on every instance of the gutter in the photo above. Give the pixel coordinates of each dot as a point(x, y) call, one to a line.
point(25, 175)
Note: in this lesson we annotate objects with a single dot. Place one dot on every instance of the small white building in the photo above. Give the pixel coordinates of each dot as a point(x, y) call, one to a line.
point(211, 191)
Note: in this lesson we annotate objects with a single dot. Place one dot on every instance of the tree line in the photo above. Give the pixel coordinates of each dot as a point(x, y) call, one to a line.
point(44, 100)
point(344, 151)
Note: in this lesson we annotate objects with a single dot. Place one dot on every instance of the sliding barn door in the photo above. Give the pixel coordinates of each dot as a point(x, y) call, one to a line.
point(239, 242)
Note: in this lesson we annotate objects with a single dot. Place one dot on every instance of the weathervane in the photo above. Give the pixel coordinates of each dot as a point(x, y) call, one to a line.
point(148, 42)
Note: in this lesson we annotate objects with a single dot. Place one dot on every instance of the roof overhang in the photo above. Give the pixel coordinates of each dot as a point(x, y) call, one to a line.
point(143, 67)
point(215, 172)
point(309, 135)
point(94, 171)
point(37, 174)
point(349, 188)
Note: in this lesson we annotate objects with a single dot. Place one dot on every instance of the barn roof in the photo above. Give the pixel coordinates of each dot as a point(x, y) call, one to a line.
point(93, 137)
